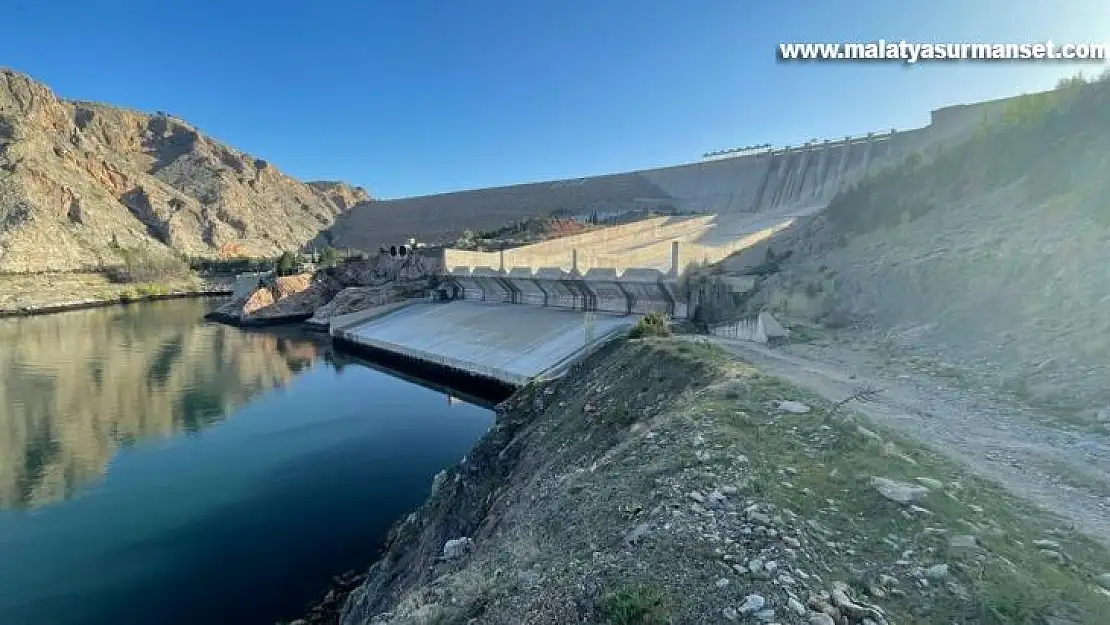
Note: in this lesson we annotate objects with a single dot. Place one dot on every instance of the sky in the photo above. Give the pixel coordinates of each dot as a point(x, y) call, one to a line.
point(413, 97)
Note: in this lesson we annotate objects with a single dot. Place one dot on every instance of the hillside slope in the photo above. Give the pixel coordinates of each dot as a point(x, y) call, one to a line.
point(662, 482)
point(79, 181)
point(992, 257)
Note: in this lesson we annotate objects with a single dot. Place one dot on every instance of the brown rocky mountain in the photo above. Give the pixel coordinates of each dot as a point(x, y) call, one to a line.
point(80, 180)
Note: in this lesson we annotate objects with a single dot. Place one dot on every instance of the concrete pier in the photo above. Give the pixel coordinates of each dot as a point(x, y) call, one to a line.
point(505, 344)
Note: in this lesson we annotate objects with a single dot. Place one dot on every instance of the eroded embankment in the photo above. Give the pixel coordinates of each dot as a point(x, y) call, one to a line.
point(663, 482)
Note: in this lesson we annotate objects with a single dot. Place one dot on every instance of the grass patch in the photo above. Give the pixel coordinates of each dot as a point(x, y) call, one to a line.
point(637, 604)
point(143, 291)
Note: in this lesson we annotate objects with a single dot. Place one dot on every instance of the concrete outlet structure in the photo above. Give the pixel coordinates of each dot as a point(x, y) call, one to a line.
point(635, 291)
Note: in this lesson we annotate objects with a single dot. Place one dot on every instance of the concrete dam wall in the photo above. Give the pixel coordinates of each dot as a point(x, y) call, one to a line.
point(792, 177)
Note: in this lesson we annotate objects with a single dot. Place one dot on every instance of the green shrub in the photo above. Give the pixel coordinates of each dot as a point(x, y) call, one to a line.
point(635, 605)
point(230, 265)
point(286, 264)
point(143, 291)
point(653, 324)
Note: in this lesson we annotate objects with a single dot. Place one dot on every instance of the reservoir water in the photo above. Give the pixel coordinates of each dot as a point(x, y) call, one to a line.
point(155, 468)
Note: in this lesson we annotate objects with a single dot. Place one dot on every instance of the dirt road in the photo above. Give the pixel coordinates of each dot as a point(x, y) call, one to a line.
point(1064, 470)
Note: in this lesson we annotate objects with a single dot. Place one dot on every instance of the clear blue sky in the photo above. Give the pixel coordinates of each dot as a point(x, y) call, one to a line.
point(413, 97)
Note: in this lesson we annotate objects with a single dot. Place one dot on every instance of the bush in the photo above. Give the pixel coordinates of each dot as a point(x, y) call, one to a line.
point(466, 240)
point(653, 324)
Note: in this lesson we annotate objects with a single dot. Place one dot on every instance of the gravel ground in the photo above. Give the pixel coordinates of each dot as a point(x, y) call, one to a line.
point(1063, 467)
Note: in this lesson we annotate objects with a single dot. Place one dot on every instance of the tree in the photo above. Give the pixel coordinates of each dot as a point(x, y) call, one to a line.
point(286, 264)
point(329, 256)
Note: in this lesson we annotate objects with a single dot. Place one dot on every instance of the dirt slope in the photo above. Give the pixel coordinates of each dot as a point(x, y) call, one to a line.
point(79, 180)
point(991, 258)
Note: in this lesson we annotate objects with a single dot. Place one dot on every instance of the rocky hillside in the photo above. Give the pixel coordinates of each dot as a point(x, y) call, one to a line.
point(990, 259)
point(80, 181)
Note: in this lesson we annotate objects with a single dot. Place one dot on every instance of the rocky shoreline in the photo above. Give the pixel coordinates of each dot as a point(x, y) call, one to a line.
point(26, 296)
point(231, 319)
point(328, 609)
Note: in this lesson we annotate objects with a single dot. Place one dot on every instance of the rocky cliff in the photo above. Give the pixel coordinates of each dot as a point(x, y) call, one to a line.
point(80, 181)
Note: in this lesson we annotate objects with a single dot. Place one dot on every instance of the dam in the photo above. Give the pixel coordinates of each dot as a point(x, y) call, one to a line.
point(515, 314)
point(784, 179)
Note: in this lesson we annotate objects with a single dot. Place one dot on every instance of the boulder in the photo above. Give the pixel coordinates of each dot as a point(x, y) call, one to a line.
point(900, 492)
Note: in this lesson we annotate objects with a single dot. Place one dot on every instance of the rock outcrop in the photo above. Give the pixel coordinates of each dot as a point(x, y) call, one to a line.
point(353, 286)
point(358, 298)
point(80, 181)
point(279, 299)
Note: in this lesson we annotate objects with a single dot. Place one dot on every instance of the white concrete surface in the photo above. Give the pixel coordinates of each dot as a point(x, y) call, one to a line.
point(509, 343)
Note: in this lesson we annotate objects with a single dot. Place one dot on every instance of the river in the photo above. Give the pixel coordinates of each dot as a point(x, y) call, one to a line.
point(155, 468)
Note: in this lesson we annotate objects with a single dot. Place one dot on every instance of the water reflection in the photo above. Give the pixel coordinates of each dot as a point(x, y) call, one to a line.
point(76, 386)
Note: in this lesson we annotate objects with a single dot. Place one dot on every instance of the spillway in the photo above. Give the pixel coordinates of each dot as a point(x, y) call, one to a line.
point(506, 344)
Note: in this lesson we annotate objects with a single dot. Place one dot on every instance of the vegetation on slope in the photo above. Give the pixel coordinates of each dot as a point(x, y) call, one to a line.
point(1049, 140)
point(519, 232)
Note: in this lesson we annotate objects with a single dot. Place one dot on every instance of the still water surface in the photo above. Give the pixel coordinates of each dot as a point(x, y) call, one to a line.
point(155, 468)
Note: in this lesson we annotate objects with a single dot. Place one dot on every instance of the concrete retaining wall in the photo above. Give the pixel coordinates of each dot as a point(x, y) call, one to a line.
point(763, 328)
point(339, 323)
point(561, 252)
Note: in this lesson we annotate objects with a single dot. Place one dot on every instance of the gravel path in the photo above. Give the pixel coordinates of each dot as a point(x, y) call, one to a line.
point(1064, 470)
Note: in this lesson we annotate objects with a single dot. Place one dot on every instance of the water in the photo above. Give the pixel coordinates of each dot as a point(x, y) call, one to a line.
point(158, 469)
